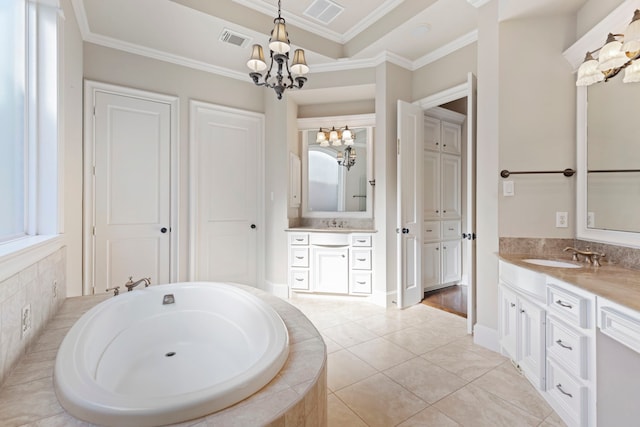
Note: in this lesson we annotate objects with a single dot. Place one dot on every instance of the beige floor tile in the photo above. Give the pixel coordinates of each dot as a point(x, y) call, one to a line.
point(382, 324)
point(553, 420)
point(381, 402)
point(340, 415)
point(473, 406)
point(349, 334)
point(507, 383)
point(332, 346)
point(466, 364)
point(419, 340)
point(381, 354)
point(429, 417)
point(344, 369)
point(424, 379)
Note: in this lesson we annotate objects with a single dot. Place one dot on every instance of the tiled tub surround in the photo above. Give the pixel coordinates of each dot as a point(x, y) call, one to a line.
point(32, 286)
point(297, 396)
point(617, 255)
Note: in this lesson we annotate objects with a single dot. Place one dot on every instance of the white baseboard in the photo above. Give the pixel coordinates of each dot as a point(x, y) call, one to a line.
point(278, 289)
point(383, 299)
point(486, 337)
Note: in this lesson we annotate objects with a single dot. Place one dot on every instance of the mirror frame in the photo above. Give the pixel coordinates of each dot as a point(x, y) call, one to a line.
point(615, 22)
point(353, 121)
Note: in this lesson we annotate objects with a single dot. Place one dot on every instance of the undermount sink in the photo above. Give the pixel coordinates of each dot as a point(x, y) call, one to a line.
point(551, 263)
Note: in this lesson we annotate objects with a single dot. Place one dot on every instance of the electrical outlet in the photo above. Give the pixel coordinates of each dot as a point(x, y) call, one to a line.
point(55, 289)
point(26, 319)
point(562, 219)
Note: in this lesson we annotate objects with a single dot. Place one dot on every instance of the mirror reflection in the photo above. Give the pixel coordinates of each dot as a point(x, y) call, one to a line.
point(613, 156)
point(337, 175)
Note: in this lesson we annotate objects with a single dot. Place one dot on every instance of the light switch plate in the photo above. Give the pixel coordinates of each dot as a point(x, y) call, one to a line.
point(507, 188)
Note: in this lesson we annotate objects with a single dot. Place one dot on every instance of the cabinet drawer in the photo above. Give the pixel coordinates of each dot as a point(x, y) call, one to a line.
point(432, 230)
point(360, 282)
point(297, 239)
point(569, 306)
point(361, 240)
point(619, 323)
point(568, 346)
point(450, 229)
point(299, 279)
point(361, 259)
point(568, 394)
point(299, 257)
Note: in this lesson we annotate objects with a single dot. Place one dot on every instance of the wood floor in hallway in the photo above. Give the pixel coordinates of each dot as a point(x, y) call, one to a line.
point(452, 299)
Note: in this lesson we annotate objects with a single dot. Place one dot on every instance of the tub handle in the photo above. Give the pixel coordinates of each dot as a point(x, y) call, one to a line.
point(115, 289)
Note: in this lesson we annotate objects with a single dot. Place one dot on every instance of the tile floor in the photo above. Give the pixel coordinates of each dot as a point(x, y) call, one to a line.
point(416, 367)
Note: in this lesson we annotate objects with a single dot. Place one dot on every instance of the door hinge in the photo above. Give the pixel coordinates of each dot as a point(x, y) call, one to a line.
point(398, 146)
point(93, 231)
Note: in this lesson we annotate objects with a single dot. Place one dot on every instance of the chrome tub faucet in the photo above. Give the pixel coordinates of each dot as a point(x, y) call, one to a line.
point(131, 284)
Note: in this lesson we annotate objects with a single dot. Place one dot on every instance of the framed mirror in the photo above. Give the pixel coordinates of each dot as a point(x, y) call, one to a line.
point(336, 178)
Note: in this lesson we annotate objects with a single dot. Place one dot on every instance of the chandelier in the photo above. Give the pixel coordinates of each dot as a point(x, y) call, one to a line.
point(347, 158)
point(620, 51)
point(279, 47)
point(335, 136)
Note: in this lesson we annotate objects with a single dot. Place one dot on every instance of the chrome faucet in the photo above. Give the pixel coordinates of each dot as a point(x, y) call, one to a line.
point(589, 256)
point(115, 289)
point(131, 284)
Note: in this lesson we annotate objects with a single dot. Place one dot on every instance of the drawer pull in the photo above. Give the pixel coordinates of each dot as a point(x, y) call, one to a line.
point(512, 304)
point(360, 283)
point(563, 304)
point(361, 241)
point(299, 257)
point(561, 344)
point(559, 387)
point(451, 229)
point(361, 259)
point(299, 240)
point(299, 279)
point(429, 231)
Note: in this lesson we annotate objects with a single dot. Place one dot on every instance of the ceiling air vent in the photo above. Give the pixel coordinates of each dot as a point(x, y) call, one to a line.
point(324, 11)
point(234, 38)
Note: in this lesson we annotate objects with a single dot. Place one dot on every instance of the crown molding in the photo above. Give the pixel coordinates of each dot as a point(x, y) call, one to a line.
point(478, 3)
point(371, 19)
point(445, 50)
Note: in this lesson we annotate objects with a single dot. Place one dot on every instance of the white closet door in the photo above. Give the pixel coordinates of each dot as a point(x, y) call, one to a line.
point(132, 175)
point(225, 181)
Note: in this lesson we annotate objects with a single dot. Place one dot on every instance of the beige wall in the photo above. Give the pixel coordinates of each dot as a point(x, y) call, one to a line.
point(537, 125)
point(445, 73)
point(71, 92)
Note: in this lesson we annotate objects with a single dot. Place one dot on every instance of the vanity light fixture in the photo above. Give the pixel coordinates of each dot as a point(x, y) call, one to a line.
point(279, 46)
point(335, 137)
point(348, 157)
point(620, 51)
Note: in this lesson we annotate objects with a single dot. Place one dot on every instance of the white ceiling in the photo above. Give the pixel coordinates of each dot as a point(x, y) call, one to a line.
point(408, 33)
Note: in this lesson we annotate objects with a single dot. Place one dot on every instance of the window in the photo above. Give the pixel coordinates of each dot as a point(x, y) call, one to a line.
point(28, 118)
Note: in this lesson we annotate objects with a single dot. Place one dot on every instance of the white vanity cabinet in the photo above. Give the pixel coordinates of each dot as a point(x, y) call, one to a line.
point(330, 262)
point(571, 353)
point(522, 316)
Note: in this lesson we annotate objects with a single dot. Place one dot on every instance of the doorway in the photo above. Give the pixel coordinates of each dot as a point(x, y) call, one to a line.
point(408, 268)
point(129, 198)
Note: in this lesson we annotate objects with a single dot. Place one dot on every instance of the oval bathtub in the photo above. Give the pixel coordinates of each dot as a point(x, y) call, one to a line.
point(134, 361)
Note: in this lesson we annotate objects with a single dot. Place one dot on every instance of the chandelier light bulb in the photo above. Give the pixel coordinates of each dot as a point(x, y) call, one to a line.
point(632, 34)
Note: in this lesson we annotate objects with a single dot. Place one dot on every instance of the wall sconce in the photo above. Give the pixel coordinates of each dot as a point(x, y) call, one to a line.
point(335, 137)
point(620, 51)
point(347, 158)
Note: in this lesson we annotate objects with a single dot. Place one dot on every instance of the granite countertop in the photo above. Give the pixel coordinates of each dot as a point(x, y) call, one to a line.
point(610, 281)
point(330, 230)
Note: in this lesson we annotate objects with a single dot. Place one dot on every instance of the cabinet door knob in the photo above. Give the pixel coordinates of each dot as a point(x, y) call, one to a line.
point(253, 226)
point(163, 230)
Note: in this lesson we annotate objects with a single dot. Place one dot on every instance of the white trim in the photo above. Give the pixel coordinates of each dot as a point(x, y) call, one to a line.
point(445, 50)
point(615, 22)
point(19, 254)
point(90, 90)
point(194, 106)
point(444, 96)
point(447, 115)
point(356, 120)
point(280, 290)
point(478, 3)
point(486, 337)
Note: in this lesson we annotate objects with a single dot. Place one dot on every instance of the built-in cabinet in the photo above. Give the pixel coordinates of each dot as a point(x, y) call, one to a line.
point(442, 249)
point(330, 262)
point(547, 327)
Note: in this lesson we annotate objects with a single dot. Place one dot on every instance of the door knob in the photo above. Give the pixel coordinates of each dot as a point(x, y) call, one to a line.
point(405, 231)
point(163, 230)
point(253, 226)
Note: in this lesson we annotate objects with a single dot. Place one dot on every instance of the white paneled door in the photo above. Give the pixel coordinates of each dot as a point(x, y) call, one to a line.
point(225, 173)
point(410, 209)
point(132, 189)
